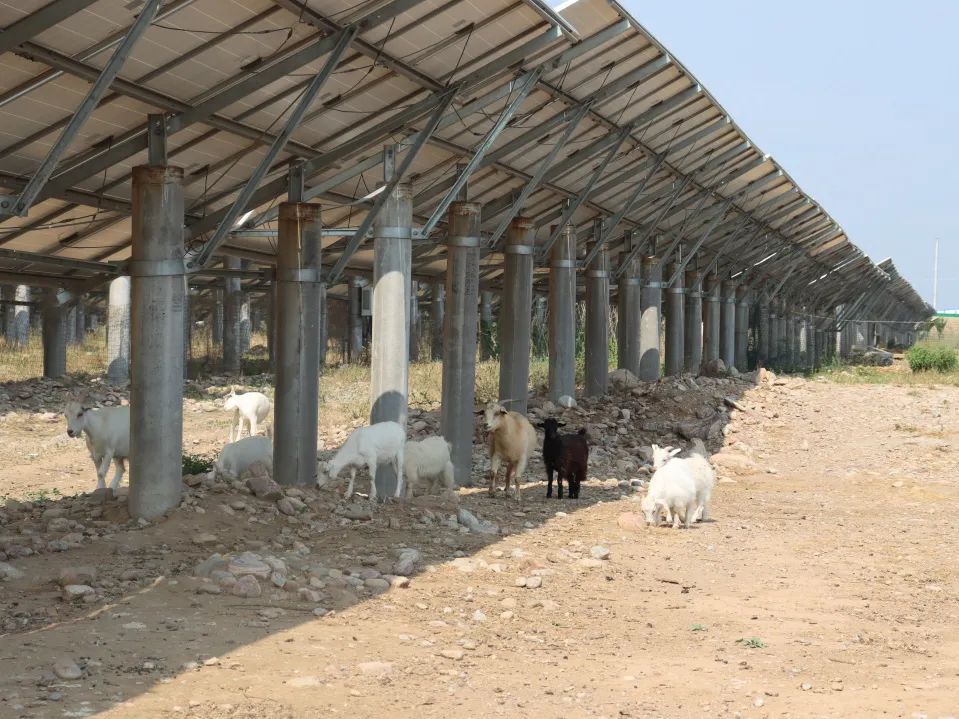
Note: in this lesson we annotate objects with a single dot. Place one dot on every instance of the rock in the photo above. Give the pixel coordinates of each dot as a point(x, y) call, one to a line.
point(632, 521)
point(399, 582)
point(309, 595)
point(263, 486)
point(765, 376)
point(693, 429)
point(566, 401)
point(8, 571)
point(76, 592)
point(210, 565)
point(290, 506)
point(454, 654)
point(713, 368)
point(479, 616)
point(377, 584)
point(375, 669)
point(733, 461)
point(246, 586)
point(600, 552)
point(67, 669)
point(246, 565)
point(204, 539)
point(406, 564)
point(474, 523)
point(534, 582)
point(209, 588)
point(193, 480)
point(77, 575)
point(590, 562)
point(622, 379)
point(357, 512)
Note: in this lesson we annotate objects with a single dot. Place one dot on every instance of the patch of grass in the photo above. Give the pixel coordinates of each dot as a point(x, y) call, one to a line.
point(698, 628)
point(927, 358)
point(37, 496)
point(751, 642)
point(898, 374)
point(196, 463)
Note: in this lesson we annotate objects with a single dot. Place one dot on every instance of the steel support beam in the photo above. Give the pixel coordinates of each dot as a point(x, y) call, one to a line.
point(562, 316)
point(597, 318)
point(515, 315)
point(651, 295)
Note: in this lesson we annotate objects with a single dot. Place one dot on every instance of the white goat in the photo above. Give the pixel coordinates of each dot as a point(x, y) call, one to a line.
point(107, 432)
point(367, 446)
point(511, 439)
point(680, 487)
point(250, 406)
point(236, 457)
point(427, 466)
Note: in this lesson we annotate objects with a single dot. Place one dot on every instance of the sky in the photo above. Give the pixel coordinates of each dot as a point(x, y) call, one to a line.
point(855, 100)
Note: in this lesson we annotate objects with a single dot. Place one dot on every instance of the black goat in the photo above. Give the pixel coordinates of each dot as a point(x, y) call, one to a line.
point(565, 454)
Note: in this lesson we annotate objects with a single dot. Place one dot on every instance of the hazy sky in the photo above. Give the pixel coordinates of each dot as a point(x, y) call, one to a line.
point(855, 99)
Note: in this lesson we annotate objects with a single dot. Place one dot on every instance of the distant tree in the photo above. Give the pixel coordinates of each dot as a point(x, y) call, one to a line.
point(940, 324)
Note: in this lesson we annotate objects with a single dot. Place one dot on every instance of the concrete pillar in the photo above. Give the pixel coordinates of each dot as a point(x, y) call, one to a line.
point(118, 331)
point(773, 335)
point(650, 301)
point(80, 321)
point(271, 324)
point(783, 335)
point(562, 315)
point(70, 325)
point(628, 309)
point(764, 327)
point(486, 325)
point(742, 329)
point(187, 327)
point(298, 253)
point(389, 373)
point(415, 326)
point(515, 319)
point(597, 325)
point(438, 319)
point(794, 349)
point(156, 336)
point(460, 335)
point(693, 339)
point(711, 318)
point(727, 324)
point(675, 323)
point(355, 320)
point(246, 323)
point(232, 309)
point(216, 317)
point(323, 333)
point(20, 329)
point(54, 328)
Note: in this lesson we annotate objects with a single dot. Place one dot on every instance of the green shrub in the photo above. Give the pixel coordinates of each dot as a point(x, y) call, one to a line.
point(923, 358)
point(196, 463)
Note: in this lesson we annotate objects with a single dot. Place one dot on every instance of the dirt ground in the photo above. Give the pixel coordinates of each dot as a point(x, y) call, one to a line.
point(825, 585)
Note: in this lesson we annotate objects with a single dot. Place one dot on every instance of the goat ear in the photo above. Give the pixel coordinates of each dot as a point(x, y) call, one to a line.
point(541, 424)
point(503, 411)
point(674, 451)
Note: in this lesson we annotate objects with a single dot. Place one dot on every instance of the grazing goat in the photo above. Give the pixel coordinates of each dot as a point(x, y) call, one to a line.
point(427, 466)
point(680, 487)
point(698, 467)
point(107, 432)
point(565, 454)
point(367, 446)
point(236, 457)
point(250, 406)
point(511, 439)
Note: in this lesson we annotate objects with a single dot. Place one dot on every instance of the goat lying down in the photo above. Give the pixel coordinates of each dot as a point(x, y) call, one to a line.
point(107, 433)
point(367, 447)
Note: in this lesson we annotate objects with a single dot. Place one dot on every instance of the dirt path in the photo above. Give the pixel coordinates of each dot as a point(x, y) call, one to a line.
point(826, 587)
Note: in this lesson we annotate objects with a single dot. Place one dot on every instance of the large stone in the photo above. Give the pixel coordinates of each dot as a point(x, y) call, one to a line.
point(713, 368)
point(264, 487)
point(209, 565)
point(76, 592)
point(67, 669)
point(290, 506)
point(246, 565)
point(246, 586)
point(77, 575)
point(733, 462)
point(622, 379)
point(474, 523)
point(632, 521)
point(8, 571)
point(357, 512)
point(375, 669)
point(406, 564)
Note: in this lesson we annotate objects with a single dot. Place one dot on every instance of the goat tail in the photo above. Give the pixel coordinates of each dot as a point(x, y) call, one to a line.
point(699, 447)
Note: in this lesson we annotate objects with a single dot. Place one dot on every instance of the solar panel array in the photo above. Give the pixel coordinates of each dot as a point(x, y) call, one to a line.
point(573, 116)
